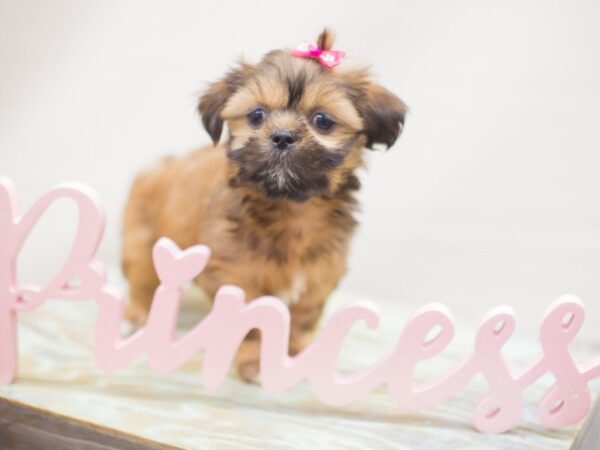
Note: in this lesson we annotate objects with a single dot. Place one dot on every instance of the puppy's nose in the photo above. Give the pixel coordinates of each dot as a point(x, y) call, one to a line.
point(283, 139)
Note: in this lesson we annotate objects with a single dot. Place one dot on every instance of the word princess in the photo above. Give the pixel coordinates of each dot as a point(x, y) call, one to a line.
point(219, 335)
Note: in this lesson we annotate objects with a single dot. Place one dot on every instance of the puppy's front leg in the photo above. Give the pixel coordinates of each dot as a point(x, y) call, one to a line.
point(247, 359)
point(305, 315)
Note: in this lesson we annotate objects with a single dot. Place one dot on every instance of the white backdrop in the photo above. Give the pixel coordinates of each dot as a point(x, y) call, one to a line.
point(491, 194)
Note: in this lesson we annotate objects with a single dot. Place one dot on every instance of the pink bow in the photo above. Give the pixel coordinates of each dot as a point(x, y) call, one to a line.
point(328, 58)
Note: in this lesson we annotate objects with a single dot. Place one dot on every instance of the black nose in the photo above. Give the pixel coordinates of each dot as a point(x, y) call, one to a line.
point(283, 139)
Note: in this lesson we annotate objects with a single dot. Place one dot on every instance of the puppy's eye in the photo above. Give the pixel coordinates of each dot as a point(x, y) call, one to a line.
point(256, 117)
point(322, 122)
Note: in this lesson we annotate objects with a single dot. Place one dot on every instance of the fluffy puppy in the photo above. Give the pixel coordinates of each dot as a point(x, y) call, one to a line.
point(275, 203)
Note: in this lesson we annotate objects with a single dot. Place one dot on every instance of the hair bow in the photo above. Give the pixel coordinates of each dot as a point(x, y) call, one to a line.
point(327, 58)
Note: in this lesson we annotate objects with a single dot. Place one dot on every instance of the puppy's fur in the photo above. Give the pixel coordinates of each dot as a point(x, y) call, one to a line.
point(278, 222)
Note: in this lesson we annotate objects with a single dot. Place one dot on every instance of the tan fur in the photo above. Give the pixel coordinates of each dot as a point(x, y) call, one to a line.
point(292, 245)
point(160, 205)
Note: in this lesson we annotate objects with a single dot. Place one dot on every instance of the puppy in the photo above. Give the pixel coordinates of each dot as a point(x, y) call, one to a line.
point(275, 203)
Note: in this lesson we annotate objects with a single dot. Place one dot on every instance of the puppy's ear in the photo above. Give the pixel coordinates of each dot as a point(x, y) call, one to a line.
point(383, 115)
point(215, 97)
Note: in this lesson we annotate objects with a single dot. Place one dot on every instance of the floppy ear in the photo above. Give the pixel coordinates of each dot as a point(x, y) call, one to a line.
point(383, 115)
point(215, 97)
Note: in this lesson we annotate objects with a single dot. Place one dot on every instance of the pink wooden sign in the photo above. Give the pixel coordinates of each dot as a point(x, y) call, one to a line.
point(231, 318)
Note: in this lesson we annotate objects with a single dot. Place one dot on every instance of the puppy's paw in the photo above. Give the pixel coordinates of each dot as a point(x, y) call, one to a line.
point(247, 360)
point(248, 371)
point(136, 315)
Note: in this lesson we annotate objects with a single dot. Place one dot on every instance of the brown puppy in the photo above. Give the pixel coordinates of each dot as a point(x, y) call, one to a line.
point(275, 204)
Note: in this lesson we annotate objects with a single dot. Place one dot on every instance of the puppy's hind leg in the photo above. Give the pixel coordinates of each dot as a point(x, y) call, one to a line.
point(138, 240)
point(139, 270)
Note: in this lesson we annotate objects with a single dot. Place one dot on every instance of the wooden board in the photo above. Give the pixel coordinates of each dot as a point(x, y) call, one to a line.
point(58, 375)
point(24, 427)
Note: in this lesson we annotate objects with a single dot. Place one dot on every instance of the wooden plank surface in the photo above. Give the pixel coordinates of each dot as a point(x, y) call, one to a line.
point(588, 437)
point(24, 427)
point(58, 374)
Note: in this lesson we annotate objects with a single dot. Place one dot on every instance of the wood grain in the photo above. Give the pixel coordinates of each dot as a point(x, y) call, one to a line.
point(24, 427)
point(589, 436)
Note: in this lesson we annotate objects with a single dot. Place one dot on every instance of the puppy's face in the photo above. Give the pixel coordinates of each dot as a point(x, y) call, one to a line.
point(296, 128)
